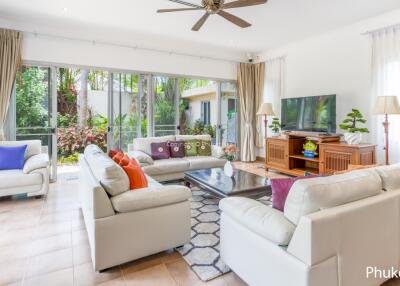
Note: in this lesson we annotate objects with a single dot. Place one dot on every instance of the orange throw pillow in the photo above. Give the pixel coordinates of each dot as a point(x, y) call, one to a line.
point(113, 152)
point(136, 176)
point(118, 157)
point(124, 161)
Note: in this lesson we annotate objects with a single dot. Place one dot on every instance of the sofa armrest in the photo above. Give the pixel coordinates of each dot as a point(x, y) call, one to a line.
point(259, 218)
point(36, 162)
point(150, 197)
point(217, 151)
point(143, 158)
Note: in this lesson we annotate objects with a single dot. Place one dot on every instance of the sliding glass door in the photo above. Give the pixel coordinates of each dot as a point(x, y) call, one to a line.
point(128, 109)
point(166, 105)
point(229, 114)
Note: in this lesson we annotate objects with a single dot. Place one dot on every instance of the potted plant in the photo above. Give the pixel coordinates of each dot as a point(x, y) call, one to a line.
point(229, 154)
point(275, 126)
point(353, 134)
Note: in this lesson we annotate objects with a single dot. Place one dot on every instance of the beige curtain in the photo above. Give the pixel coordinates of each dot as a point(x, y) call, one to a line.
point(246, 89)
point(10, 59)
point(259, 72)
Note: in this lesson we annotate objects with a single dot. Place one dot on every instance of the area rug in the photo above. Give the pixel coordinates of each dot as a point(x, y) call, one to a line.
point(202, 253)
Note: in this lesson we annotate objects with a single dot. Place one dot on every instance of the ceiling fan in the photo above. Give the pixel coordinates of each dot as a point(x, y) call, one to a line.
point(216, 7)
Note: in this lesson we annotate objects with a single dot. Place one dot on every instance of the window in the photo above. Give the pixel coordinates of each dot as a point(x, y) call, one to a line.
point(205, 112)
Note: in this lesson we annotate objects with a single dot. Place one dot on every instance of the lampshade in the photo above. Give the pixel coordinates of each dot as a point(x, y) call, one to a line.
point(265, 109)
point(387, 104)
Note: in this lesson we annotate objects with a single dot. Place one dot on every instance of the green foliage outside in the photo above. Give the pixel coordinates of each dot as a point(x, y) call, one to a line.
point(349, 124)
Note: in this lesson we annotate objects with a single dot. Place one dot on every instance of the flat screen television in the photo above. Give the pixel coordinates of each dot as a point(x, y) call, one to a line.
point(313, 114)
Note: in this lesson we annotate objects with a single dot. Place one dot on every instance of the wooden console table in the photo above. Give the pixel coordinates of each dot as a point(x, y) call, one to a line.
point(284, 154)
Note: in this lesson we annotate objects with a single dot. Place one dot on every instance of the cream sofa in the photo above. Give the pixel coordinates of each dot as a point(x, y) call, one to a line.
point(331, 230)
point(125, 225)
point(173, 168)
point(33, 179)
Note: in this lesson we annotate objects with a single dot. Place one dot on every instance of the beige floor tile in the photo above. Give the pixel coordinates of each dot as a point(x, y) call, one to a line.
point(63, 277)
point(49, 262)
point(81, 254)
point(15, 252)
point(233, 280)
point(56, 217)
point(12, 271)
point(114, 282)
point(78, 224)
point(157, 275)
point(55, 228)
point(182, 274)
point(80, 237)
point(141, 264)
point(21, 223)
point(85, 275)
point(17, 236)
point(51, 243)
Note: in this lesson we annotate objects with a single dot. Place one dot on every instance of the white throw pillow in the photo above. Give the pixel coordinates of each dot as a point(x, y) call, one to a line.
point(390, 176)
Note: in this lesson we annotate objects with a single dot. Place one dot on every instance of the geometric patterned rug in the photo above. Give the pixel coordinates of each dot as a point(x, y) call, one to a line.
point(202, 253)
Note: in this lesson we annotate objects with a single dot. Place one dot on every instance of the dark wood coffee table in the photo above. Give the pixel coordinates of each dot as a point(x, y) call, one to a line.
point(243, 184)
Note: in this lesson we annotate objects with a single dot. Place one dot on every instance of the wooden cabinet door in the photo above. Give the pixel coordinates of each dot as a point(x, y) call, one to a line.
point(334, 159)
point(277, 153)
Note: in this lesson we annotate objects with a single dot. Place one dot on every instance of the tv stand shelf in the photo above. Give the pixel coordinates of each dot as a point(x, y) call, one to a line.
point(284, 154)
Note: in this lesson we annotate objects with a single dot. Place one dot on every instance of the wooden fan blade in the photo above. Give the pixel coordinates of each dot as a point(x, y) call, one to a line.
point(201, 22)
point(177, 10)
point(235, 20)
point(186, 3)
point(243, 3)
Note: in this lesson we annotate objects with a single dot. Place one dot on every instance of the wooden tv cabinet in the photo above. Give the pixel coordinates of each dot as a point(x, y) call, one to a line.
point(284, 154)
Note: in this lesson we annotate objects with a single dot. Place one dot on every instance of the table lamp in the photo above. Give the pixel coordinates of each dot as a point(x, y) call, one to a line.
point(386, 105)
point(266, 110)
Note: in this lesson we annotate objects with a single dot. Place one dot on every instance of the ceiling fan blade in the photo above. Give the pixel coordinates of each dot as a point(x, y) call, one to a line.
point(178, 9)
point(243, 3)
point(186, 3)
point(200, 22)
point(235, 20)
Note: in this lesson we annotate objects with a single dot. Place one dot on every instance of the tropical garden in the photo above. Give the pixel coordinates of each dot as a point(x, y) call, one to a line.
point(82, 108)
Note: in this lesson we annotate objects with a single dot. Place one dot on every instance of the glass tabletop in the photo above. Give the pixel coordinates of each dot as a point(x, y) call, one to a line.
point(241, 182)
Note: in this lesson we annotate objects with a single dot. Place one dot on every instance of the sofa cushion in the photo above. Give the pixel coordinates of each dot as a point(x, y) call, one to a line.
point(204, 162)
point(390, 176)
point(259, 218)
point(143, 144)
point(177, 149)
point(191, 147)
point(204, 148)
point(309, 196)
point(160, 150)
point(34, 146)
point(36, 162)
point(149, 198)
point(166, 166)
point(141, 157)
point(12, 157)
point(17, 178)
point(205, 137)
point(110, 175)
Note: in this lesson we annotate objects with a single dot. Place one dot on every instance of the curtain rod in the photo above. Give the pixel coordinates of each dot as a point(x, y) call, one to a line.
point(394, 26)
point(136, 47)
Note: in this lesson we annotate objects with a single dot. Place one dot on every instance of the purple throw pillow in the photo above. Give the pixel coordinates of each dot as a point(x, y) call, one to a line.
point(177, 149)
point(12, 158)
point(280, 190)
point(160, 151)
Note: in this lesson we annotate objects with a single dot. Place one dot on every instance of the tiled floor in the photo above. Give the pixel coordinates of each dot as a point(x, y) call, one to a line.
point(43, 242)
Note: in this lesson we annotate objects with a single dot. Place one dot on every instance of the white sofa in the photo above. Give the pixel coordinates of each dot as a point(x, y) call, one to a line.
point(125, 225)
point(331, 230)
point(33, 179)
point(173, 168)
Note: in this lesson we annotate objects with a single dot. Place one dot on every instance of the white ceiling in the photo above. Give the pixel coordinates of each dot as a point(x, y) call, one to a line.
point(136, 22)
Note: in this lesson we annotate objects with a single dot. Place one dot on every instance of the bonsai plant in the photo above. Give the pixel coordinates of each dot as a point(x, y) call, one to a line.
point(275, 126)
point(353, 134)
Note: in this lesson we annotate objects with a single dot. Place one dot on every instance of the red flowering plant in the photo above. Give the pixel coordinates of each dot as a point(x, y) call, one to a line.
point(230, 152)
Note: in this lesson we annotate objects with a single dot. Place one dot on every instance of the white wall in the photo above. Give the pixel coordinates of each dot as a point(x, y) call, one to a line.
point(55, 50)
point(338, 62)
